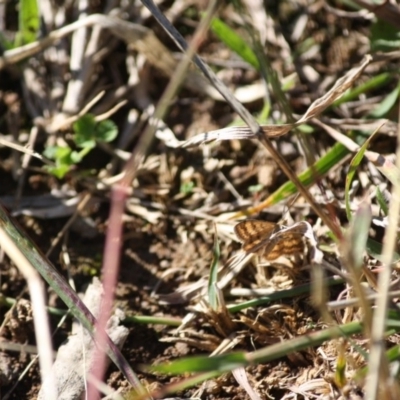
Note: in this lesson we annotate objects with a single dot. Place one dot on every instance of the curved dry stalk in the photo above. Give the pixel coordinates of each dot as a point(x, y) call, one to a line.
point(41, 321)
point(120, 192)
point(378, 369)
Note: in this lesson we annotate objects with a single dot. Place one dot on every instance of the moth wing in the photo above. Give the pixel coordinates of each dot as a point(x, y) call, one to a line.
point(252, 229)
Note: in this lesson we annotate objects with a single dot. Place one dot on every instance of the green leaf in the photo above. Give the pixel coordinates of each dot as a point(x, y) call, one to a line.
point(381, 201)
point(386, 104)
point(187, 187)
point(384, 36)
point(65, 292)
point(84, 152)
point(84, 129)
point(226, 362)
point(87, 131)
point(58, 153)
point(355, 162)
point(213, 278)
point(279, 295)
point(305, 128)
point(374, 249)
point(76, 157)
point(59, 171)
point(29, 22)
point(50, 152)
point(5, 43)
point(235, 42)
point(321, 167)
point(357, 235)
point(393, 317)
point(374, 83)
point(63, 155)
point(386, 167)
point(106, 131)
point(64, 158)
point(340, 373)
point(255, 188)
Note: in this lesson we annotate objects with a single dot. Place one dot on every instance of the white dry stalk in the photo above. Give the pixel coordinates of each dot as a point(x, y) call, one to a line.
point(79, 209)
point(350, 124)
point(259, 18)
point(23, 149)
point(375, 366)
point(77, 54)
point(249, 292)
point(199, 289)
point(354, 301)
point(75, 357)
point(110, 265)
point(40, 318)
point(241, 378)
point(140, 37)
point(25, 163)
point(18, 347)
point(207, 71)
point(338, 136)
point(319, 105)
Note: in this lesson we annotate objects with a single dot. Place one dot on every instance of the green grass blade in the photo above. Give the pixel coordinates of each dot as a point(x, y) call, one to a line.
point(385, 166)
point(381, 201)
point(280, 295)
point(373, 83)
point(223, 363)
point(228, 362)
point(357, 235)
point(355, 162)
point(374, 249)
point(212, 281)
point(152, 320)
point(235, 42)
point(64, 291)
point(29, 22)
point(384, 37)
point(320, 168)
point(386, 104)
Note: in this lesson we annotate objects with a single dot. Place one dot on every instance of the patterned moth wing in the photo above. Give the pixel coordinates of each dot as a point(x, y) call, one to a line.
point(269, 239)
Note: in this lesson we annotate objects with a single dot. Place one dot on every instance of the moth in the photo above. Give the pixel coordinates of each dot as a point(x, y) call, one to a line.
point(272, 240)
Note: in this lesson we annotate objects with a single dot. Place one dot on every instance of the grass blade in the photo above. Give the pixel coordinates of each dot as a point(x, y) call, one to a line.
point(308, 177)
point(228, 362)
point(64, 291)
point(29, 22)
point(212, 282)
point(355, 162)
point(235, 42)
